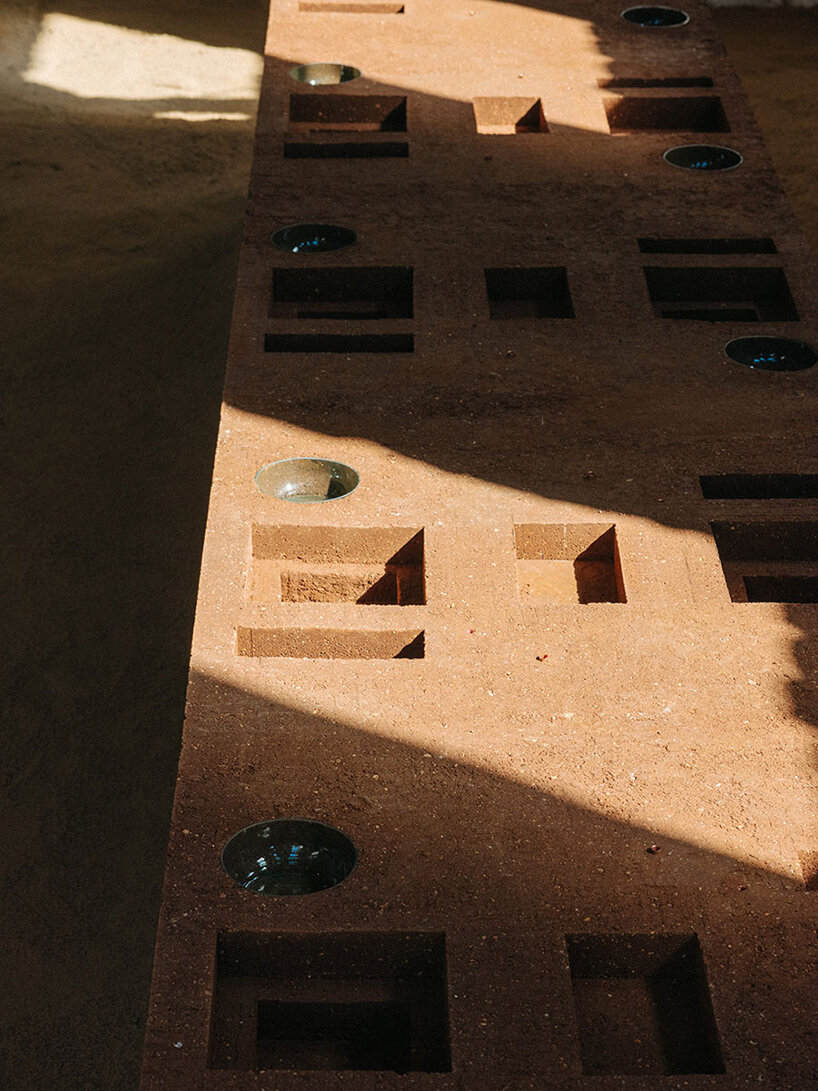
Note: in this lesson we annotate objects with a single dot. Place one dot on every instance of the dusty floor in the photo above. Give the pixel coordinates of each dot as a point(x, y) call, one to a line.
point(116, 332)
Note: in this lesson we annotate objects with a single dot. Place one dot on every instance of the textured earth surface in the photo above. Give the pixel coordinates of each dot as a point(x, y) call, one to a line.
point(126, 132)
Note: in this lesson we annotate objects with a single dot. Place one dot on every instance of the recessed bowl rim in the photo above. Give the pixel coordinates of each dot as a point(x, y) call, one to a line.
point(313, 223)
point(655, 7)
point(328, 64)
point(770, 337)
point(717, 147)
point(308, 458)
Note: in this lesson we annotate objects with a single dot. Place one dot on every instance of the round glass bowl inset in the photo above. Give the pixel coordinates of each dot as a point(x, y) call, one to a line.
point(289, 856)
point(313, 238)
point(324, 74)
point(706, 157)
point(307, 480)
point(655, 16)
point(771, 353)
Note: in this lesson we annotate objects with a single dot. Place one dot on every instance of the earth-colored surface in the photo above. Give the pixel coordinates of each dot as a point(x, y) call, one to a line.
point(605, 658)
point(774, 54)
point(120, 233)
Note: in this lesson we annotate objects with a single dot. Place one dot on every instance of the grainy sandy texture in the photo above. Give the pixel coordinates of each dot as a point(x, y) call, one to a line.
point(598, 719)
point(119, 239)
point(774, 54)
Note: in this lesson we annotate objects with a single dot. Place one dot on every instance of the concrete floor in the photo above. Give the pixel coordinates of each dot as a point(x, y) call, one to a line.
point(117, 330)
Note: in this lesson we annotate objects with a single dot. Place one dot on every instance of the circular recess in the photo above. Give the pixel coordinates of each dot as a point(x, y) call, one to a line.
point(323, 74)
point(771, 353)
point(313, 238)
point(703, 157)
point(655, 17)
point(307, 480)
point(287, 856)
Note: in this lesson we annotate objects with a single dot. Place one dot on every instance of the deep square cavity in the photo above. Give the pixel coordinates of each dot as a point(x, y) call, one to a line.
point(643, 1005)
point(570, 563)
point(538, 292)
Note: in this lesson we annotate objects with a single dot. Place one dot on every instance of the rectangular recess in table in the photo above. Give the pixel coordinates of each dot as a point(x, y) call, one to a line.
point(381, 566)
point(347, 113)
point(343, 293)
point(335, 1001)
point(774, 561)
point(723, 294)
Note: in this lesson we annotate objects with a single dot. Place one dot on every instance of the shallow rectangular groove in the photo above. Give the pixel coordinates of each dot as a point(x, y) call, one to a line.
point(330, 643)
point(643, 1006)
point(348, 113)
point(735, 293)
point(339, 342)
point(707, 246)
point(343, 293)
point(536, 292)
point(331, 1001)
point(709, 313)
point(759, 486)
point(345, 7)
point(359, 150)
point(661, 81)
point(700, 114)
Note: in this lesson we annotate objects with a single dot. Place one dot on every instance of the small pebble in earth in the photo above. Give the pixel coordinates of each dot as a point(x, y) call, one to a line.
point(588, 475)
point(654, 849)
point(540, 658)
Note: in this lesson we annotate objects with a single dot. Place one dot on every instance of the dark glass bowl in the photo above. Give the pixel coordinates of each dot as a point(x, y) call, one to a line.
point(655, 16)
point(289, 856)
point(313, 238)
point(703, 157)
point(771, 353)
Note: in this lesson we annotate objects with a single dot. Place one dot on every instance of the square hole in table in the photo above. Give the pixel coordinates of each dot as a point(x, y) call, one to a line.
point(569, 562)
point(643, 1005)
point(536, 292)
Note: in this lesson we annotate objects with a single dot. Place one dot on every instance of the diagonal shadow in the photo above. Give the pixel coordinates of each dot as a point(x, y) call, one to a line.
point(106, 580)
point(446, 844)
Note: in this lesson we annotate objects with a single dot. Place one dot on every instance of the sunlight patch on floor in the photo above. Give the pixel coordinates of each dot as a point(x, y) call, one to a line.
point(92, 60)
